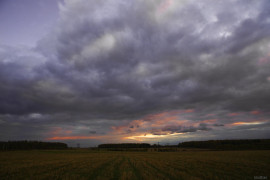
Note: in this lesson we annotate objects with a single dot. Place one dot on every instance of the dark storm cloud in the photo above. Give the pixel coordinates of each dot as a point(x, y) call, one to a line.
point(122, 60)
point(16, 78)
point(138, 64)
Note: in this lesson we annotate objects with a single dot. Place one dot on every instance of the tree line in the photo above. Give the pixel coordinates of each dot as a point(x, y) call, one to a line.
point(242, 144)
point(125, 145)
point(29, 145)
point(247, 144)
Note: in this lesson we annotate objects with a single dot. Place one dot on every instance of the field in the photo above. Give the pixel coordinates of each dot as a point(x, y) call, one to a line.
point(86, 164)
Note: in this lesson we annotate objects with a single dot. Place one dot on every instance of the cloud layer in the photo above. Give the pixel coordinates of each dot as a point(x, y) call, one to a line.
point(110, 63)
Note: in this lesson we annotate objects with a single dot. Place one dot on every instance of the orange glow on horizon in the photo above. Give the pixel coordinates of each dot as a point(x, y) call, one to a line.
point(149, 136)
point(247, 123)
point(73, 137)
point(155, 121)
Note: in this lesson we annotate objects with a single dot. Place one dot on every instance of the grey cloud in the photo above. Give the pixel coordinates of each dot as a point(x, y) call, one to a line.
point(134, 77)
point(218, 125)
point(121, 60)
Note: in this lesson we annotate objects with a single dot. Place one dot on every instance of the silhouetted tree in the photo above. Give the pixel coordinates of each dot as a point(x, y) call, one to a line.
point(27, 145)
point(252, 144)
point(125, 145)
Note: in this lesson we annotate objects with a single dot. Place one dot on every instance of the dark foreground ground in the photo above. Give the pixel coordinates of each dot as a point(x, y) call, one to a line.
point(86, 164)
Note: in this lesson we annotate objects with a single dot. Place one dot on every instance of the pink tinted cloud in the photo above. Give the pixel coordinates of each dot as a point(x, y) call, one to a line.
point(255, 112)
point(233, 114)
point(240, 123)
point(153, 121)
point(264, 60)
point(189, 110)
point(164, 5)
point(209, 121)
point(59, 131)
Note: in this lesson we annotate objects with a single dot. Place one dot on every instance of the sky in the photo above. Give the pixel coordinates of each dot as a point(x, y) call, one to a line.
point(152, 71)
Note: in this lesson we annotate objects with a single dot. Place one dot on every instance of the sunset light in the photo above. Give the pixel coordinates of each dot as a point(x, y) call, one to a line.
point(117, 71)
point(134, 89)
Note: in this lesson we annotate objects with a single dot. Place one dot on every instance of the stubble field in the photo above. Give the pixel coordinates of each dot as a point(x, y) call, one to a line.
point(86, 164)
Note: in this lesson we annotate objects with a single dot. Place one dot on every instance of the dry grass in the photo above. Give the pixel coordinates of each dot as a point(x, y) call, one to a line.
point(84, 164)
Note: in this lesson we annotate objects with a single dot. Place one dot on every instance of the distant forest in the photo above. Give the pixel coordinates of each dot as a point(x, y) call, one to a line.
point(248, 144)
point(125, 145)
point(29, 145)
